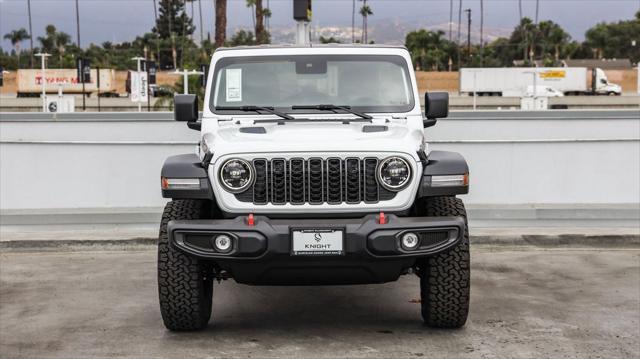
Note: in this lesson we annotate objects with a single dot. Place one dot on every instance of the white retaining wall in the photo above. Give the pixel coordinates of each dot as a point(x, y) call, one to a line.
point(527, 168)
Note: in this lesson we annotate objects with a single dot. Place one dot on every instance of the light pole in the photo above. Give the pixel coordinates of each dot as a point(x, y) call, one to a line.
point(468, 11)
point(43, 79)
point(185, 78)
point(30, 31)
point(78, 21)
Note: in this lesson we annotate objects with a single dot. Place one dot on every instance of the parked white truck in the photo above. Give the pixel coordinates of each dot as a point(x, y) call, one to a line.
point(313, 169)
point(514, 81)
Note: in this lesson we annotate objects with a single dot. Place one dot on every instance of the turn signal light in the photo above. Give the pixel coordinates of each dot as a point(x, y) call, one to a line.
point(180, 183)
point(450, 180)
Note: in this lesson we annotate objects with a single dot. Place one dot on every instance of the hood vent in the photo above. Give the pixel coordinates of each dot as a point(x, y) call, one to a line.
point(374, 128)
point(255, 130)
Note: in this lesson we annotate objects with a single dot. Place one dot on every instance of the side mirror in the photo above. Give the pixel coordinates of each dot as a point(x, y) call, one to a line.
point(185, 108)
point(436, 106)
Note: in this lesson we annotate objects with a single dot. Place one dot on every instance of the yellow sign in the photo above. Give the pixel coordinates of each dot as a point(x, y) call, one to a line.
point(553, 74)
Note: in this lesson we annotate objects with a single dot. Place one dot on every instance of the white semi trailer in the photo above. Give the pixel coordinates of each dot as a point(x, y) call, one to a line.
point(514, 81)
point(30, 82)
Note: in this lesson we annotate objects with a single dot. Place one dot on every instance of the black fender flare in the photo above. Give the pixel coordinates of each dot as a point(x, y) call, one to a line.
point(186, 166)
point(442, 163)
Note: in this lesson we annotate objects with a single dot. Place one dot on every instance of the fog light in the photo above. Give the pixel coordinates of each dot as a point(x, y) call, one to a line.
point(410, 241)
point(222, 243)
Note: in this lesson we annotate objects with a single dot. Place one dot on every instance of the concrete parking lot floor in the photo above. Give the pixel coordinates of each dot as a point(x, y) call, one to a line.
point(526, 303)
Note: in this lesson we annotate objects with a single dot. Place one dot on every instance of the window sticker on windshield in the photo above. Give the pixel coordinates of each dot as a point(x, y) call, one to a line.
point(234, 85)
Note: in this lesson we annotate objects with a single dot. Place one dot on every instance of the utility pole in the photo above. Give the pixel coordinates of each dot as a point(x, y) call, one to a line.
point(78, 21)
point(201, 27)
point(30, 31)
point(468, 11)
point(520, 9)
point(43, 79)
point(481, 33)
point(353, 21)
point(155, 14)
point(450, 18)
point(459, 29)
point(82, 62)
point(537, 9)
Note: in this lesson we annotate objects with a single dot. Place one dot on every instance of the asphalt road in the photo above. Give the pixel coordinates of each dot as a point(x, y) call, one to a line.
point(526, 303)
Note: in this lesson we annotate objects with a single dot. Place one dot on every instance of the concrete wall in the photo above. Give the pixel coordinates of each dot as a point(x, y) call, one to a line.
point(527, 168)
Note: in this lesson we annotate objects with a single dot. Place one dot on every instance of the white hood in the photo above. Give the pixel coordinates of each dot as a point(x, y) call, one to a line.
point(297, 137)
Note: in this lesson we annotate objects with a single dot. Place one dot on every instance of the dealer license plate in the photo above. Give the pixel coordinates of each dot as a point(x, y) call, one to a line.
point(317, 242)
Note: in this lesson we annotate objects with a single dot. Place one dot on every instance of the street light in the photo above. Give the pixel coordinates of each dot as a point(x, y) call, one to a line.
point(185, 78)
point(43, 79)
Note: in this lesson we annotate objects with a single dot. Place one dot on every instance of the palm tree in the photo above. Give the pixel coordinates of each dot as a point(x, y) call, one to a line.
point(266, 12)
point(54, 41)
point(552, 37)
point(16, 37)
point(47, 42)
point(62, 40)
point(365, 11)
point(221, 22)
point(261, 35)
point(252, 5)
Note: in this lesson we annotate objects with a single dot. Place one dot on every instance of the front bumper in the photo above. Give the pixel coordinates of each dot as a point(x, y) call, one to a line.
point(261, 253)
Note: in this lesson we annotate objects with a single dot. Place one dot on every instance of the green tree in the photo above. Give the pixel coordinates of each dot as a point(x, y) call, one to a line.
point(173, 24)
point(552, 41)
point(17, 37)
point(615, 40)
point(55, 42)
point(430, 50)
point(242, 38)
point(329, 40)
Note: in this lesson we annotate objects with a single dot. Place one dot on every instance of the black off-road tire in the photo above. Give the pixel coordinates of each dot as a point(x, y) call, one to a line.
point(185, 284)
point(445, 278)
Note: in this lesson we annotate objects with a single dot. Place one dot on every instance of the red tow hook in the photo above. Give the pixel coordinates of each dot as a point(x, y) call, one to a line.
point(250, 220)
point(382, 219)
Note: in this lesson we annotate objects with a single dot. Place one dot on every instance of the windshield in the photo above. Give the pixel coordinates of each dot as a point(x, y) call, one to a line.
point(367, 83)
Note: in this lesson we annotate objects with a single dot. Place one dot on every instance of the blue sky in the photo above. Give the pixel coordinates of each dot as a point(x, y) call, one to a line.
point(121, 20)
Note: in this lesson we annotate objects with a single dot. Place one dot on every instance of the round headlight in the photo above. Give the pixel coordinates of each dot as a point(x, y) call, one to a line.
point(394, 173)
point(236, 175)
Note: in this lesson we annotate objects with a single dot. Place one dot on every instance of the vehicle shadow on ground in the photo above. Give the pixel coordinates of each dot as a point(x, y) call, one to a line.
point(385, 309)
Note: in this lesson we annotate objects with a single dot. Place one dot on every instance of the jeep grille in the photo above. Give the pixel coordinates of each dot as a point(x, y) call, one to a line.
point(315, 181)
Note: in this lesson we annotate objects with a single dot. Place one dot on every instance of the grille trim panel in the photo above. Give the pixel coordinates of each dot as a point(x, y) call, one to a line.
point(315, 181)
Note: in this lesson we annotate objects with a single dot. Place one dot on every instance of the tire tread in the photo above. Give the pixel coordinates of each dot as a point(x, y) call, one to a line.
point(445, 278)
point(184, 286)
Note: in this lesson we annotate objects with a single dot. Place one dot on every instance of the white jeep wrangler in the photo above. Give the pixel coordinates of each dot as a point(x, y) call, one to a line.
point(312, 170)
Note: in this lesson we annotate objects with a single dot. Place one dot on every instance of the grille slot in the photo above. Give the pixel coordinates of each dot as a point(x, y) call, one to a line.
point(315, 181)
point(260, 185)
point(278, 181)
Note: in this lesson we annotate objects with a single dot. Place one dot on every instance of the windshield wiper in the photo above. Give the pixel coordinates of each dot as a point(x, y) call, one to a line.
point(329, 107)
point(248, 108)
